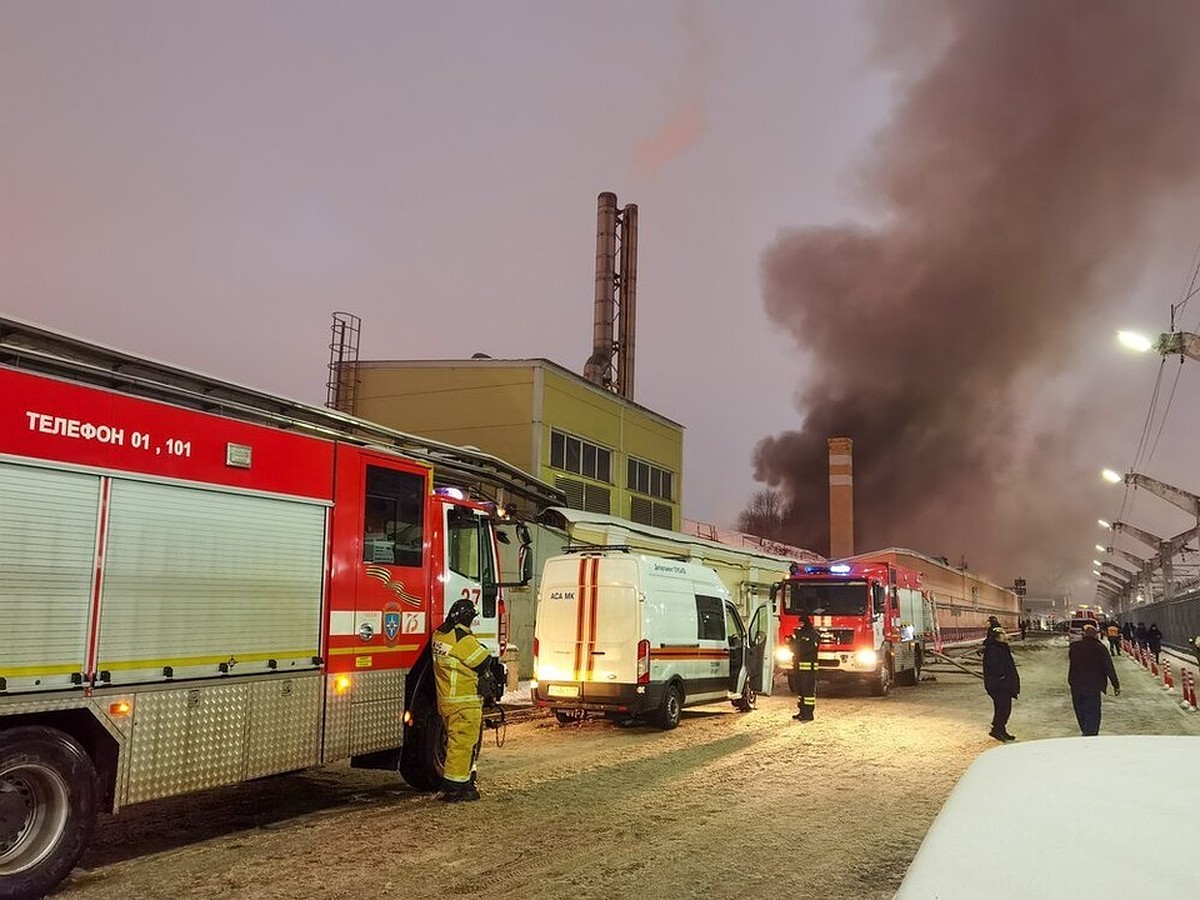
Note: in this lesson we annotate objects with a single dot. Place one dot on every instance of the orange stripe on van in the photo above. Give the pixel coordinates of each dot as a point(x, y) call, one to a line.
point(685, 653)
point(594, 601)
point(580, 599)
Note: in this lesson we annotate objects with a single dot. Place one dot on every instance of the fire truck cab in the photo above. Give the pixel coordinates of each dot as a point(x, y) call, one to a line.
point(871, 618)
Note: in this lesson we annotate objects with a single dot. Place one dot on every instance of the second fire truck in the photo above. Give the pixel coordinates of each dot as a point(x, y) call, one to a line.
point(872, 617)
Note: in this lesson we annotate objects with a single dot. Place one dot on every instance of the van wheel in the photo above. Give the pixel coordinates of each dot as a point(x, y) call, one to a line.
point(881, 685)
point(747, 701)
point(47, 809)
point(671, 709)
point(569, 716)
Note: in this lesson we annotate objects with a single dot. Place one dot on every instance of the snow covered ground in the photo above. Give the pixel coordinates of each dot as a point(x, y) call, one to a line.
point(726, 805)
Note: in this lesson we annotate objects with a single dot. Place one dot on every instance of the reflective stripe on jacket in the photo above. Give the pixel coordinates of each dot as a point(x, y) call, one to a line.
point(456, 655)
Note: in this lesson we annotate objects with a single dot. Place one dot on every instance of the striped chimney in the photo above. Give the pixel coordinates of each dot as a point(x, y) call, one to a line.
point(841, 497)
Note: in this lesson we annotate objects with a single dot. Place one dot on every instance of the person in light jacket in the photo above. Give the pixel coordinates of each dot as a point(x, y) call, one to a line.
point(1001, 680)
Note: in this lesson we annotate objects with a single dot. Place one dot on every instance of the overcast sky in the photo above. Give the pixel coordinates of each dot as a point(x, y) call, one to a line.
point(205, 183)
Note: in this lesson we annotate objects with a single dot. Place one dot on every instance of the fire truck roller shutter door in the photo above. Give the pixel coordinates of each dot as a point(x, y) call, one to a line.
point(47, 561)
point(197, 576)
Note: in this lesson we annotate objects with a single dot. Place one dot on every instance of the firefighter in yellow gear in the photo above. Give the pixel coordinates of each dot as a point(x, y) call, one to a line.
point(458, 658)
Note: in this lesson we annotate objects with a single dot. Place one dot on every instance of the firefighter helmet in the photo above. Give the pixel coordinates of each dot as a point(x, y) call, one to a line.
point(461, 613)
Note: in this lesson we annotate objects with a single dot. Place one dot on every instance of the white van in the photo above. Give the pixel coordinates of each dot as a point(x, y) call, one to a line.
point(628, 635)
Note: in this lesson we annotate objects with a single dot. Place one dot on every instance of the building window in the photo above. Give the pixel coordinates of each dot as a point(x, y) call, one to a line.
point(650, 479)
point(648, 512)
point(588, 497)
point(571, 454)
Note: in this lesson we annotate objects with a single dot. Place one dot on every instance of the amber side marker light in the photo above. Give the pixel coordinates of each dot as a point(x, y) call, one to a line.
point(341, 684)
point(123, 708)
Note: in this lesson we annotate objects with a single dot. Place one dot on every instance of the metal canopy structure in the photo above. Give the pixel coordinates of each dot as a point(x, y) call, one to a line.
point(33, 348)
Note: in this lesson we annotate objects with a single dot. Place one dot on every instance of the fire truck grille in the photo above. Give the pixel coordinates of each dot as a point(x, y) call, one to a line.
point(840, 637)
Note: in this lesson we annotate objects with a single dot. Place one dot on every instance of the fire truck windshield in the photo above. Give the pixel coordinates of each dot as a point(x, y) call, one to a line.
point(839, 598)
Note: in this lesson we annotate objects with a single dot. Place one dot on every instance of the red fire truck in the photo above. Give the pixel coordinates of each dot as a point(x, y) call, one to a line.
point(872, 618)
point(201, 585)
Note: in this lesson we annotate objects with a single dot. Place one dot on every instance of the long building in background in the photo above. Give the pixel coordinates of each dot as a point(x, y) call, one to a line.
point(961, 601)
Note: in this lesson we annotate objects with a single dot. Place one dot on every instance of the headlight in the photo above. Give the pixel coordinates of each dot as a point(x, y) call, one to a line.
point(784, 656)
point(867, 658)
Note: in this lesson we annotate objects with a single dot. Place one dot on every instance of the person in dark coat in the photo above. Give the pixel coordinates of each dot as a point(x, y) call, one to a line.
point(803, 642)
point(1154, 640)
point(1089, 671)
point(1127, 630)
point(1000, 680)
point(1139, 634)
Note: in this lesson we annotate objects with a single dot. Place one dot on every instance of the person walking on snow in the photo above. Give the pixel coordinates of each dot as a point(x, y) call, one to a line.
point(1154, 640)
point(1088, 673)
point(1113, 632)
point(1001, 680)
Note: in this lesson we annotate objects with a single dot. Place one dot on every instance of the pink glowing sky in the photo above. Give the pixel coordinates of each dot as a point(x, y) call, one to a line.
point(205, 183)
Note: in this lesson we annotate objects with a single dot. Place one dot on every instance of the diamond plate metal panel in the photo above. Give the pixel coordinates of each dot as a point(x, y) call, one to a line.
point(186, 740)
point(285, 725)
point(372, 686)
point(336, 744)
point(378, 725)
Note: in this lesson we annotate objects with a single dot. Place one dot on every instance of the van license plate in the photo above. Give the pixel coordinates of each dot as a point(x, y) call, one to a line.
point(564, 690)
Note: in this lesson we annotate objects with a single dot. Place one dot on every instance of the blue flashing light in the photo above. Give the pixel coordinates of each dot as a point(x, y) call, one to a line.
point(840, 569)
point(451, 492)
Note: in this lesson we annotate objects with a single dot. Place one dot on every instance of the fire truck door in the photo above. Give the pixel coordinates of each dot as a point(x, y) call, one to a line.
point(390, 594)
point(471, 571)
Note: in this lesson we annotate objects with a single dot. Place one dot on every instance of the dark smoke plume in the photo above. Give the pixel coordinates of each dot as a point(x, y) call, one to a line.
point(1031, 145)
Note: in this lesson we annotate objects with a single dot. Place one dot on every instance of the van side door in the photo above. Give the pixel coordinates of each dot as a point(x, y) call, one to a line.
point(760, 660)
point(738, 648)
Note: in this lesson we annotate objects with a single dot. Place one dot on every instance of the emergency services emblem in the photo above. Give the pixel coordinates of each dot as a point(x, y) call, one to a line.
point(380, 574)
point(391, 622)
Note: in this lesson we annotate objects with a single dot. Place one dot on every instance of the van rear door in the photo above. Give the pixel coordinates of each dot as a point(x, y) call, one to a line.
point(588, 623)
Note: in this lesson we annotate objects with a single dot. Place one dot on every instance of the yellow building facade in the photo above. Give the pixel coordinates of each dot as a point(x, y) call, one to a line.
point(607, 454)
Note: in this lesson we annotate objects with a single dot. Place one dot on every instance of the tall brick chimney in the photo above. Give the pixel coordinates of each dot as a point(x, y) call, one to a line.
point(841, 497)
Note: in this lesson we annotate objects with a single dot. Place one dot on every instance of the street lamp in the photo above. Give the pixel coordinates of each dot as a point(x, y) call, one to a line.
point(1112, 477)
point(1185, 343)
point(1104, 524)
point(1101, 548)
point(1135, 341)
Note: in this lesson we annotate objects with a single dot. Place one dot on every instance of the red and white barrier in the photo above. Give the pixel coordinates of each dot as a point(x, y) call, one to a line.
point(1168, 681)
point(1189, 690)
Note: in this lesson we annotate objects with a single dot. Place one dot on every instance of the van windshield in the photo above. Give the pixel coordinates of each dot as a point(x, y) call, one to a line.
point(839, 598)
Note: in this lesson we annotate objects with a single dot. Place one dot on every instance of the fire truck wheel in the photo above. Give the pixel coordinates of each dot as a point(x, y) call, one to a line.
point(423, 757)
point(881, 684)
point(912, 677)
point(48, 788)
point(671, 709)
point(748, 700)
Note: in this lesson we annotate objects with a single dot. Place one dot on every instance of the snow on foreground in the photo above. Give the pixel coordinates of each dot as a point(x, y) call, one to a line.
point(1074, 837)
